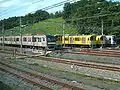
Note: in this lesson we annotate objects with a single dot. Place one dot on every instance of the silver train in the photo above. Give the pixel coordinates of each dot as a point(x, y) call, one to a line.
point(111, 40)
point(41, 41)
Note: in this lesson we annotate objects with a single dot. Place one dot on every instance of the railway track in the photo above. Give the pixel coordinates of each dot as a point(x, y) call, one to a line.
point(109, 53)
point(80, 63)
point(35, 78)
point(73, 62)
point(97, 52)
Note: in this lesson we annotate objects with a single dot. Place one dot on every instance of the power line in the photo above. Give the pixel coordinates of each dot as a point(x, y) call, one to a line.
point(16, 8)
point(7, 12)
point(56, 5)
point(45, 8)
point(75, 19)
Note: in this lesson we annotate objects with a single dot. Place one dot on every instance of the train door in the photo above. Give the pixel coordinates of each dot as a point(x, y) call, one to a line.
point(83, 40)
point(71, 40)
point(44, 41)
point(34, 41)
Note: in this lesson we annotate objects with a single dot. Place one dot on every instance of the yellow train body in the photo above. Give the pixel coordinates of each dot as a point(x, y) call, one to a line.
point(79, 40)
point(100, 40)
point(82, 40)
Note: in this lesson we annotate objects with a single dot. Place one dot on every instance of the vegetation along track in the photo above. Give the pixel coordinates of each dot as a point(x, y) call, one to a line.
point(28, 76)
point(72, 62)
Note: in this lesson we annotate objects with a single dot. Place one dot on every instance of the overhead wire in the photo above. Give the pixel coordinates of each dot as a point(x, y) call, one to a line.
point(18, 7)
point(14, 9)
point(45, 8)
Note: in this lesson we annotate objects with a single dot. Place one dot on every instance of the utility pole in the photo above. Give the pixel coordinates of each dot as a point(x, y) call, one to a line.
point(20, 37)
point(3, 30)
point(102, 32)
point(102, 26)
point(64, 32)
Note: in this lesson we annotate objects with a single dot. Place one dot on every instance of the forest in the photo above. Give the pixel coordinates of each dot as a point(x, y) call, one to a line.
point(90, 16)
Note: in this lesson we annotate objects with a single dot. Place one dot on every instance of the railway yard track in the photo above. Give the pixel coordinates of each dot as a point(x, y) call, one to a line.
point(73, 63)
point(96, 82)
point(109, 53)
point(34, 78)
point(97, 56)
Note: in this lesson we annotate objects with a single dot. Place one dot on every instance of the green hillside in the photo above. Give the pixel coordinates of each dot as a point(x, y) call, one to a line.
point(50, 26)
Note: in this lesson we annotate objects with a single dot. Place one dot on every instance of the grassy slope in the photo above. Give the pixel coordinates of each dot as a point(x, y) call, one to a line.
point(50, 26)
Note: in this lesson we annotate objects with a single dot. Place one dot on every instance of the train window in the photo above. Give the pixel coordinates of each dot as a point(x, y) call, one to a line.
point(98, 39)
point(101, 38)
point(51, 38)
point(24, 39)
point(110, 39)
point(59, 39)
point(66, 39)
point(114, 38)
point(43, 38)
point(1, 39)
point(17, 39)
point(39, 39)
point(77, 39)
point(33, 39)
point(5, 39)
point(29, 39)
point(88, 39)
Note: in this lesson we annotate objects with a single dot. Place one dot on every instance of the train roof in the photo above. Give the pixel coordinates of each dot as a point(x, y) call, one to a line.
point(110, 35)
point(79, 35)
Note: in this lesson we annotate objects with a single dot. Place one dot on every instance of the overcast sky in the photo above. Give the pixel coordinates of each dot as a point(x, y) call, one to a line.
point(10, 8)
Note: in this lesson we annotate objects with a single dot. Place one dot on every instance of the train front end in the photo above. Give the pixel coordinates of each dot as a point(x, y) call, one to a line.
point(100, 41)
point(51, 42)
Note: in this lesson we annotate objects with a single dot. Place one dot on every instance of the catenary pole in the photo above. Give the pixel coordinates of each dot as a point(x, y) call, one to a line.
point(3, 30)
point(21, 49)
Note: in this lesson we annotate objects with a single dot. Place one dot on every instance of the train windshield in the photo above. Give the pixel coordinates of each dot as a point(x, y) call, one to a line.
point(51, 38)
point(114, 38)
point(101, 38)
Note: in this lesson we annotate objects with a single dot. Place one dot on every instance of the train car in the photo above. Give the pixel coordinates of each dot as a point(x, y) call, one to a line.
point(66, 40)
point(79, 40)
point(58, 42)
point(100, 40)
point(58, 39)
point(37, 41)
point(44, 41)
point(111, 40)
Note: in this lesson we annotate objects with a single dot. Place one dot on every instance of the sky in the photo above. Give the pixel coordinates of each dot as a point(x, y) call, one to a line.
point(10, 8)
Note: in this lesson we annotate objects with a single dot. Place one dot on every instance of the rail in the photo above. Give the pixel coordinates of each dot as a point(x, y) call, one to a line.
point(70, 87)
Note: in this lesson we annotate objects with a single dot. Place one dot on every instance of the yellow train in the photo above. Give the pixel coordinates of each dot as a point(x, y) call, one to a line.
point(86, 40)
point(100, 40)
point(77, 40)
